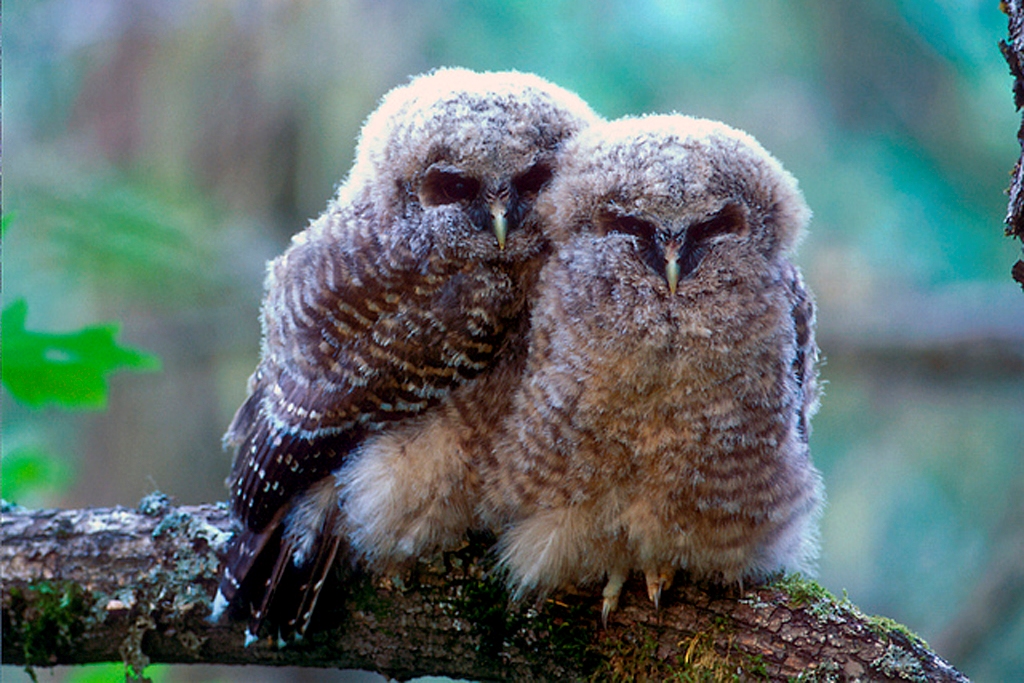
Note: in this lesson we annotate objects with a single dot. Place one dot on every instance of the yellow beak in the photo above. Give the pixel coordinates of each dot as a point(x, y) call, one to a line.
point(672, 267)
point(500, 223)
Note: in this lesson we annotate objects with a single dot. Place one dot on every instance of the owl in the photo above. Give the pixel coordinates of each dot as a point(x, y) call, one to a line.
point(663, 418)
point(379, 322)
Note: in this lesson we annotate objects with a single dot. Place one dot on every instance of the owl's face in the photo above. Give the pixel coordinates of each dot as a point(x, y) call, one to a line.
point(486, 201)
point(679, 205)
point(464, 156)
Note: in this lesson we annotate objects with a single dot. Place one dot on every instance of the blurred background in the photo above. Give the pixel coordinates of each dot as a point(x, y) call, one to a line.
point(156, 154)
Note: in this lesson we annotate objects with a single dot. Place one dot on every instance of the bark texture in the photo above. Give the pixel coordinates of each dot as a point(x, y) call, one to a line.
point(1013, 51)
point(111, 584)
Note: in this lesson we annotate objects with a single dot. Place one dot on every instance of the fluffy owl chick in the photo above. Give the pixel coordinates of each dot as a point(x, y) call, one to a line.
point(411, 284)
point(662, 423)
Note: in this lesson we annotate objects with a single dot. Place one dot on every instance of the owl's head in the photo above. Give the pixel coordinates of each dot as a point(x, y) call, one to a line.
point(688, 196)
point(469, 152)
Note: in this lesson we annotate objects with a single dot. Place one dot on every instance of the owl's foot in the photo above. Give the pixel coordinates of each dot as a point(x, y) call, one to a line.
point(658, 580)
point(611, 593)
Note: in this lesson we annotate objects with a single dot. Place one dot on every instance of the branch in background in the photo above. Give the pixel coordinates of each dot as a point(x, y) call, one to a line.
point(114, 584)
point(963, 328)
point(1013, 51)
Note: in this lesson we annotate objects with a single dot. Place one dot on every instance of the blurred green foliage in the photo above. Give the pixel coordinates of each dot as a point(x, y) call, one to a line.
point(122, 231)
point(65, 370)
point(31, 470)
point(68, 370)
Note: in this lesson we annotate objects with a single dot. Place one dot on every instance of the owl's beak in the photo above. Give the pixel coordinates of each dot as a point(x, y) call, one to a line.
point(672, 266)
point(498, 211)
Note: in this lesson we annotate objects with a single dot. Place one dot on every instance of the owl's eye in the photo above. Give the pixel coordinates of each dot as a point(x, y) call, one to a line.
point(447, 186)
point(729, 220)
point(629, 225)
point(533, 179)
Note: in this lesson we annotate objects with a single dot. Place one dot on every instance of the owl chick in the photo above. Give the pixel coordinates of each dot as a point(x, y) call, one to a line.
point(412, 284)
point(662, 422)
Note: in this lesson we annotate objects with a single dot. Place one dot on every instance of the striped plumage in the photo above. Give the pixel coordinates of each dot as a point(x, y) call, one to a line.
point(662, 424)
point(411, 285)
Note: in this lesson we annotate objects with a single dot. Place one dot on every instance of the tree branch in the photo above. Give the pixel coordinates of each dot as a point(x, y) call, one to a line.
point(109, 584)
point(1013, 52)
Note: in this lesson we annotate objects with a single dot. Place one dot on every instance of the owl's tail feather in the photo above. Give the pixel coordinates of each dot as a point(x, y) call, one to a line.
point(260, 614)
point(245, 549)
point(280, 590)
point(327, 551)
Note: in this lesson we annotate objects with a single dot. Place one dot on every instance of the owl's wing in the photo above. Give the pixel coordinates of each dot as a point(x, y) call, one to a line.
point(356, 335)
point(805, 361)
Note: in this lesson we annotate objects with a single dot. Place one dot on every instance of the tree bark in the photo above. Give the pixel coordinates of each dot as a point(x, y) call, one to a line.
point(116, 584)
point(1013, 51)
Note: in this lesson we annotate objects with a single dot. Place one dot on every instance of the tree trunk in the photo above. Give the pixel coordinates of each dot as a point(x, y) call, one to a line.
point(110, 584)
point(1013, 51)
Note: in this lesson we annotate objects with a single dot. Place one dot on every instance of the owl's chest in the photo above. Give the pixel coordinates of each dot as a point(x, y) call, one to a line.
point(666, 380)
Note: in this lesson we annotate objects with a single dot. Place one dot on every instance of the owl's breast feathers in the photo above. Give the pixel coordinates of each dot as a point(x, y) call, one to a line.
point(355, 339)
point(709, 354)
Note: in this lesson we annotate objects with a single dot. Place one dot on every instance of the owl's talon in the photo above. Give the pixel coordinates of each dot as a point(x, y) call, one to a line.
point(653, 588)
point(611, 593)
point(658, 582)
point(608, 606)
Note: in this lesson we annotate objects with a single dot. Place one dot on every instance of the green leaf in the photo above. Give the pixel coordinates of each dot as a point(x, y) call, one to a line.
point(114, 672)
point(68, 370)
point(32, 470)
